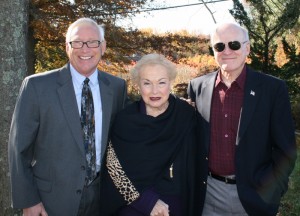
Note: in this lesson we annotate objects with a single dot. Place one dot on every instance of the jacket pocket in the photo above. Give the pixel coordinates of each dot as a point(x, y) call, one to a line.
point(43, 185)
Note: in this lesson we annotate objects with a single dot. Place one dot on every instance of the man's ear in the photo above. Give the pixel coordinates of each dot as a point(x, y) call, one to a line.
point(67, 47)
point(103, 47)
point(248, 47)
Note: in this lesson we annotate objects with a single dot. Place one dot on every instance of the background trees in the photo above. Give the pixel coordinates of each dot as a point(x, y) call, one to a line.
point(13, 67)
point(266, 21)
point(49, 21)
point(273, 27)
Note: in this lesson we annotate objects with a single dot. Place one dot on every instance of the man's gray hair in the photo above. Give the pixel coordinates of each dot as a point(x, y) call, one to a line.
point(84, 21)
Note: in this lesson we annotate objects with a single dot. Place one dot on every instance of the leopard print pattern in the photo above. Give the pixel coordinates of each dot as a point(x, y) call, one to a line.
point(120, 179)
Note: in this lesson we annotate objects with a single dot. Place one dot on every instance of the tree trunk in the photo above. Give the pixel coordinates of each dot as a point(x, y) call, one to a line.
point(13, 68)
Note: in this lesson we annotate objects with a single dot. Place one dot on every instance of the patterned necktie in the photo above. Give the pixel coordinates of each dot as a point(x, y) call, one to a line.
point(88, 128)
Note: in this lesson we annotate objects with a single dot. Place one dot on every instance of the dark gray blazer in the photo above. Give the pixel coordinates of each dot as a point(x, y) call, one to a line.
point(265, 144)
point(46, 153)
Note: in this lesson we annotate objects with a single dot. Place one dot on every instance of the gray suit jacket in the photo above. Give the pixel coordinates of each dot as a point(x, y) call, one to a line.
point(46, 153)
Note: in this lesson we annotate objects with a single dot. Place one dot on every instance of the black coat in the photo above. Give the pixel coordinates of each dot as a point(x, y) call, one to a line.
point(146, 147)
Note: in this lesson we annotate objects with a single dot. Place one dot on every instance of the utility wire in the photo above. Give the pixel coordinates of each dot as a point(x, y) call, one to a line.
point(168, 7)
point(179, 6)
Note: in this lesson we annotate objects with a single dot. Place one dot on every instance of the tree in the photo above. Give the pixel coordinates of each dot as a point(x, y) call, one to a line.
point(13, 67)
point(49, 21)
point(291, 70)
point(265, 21)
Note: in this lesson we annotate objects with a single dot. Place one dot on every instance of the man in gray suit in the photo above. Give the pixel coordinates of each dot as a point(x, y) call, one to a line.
point(47, 156)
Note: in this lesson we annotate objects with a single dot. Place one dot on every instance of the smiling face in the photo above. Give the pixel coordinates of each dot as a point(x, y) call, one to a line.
point(231, 61)
point(85, 60)
point(155, 86)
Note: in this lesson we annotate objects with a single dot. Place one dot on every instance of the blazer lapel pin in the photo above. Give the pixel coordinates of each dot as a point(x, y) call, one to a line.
point(252, 93)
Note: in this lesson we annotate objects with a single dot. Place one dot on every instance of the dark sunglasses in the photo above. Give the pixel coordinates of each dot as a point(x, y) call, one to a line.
point(233, 45)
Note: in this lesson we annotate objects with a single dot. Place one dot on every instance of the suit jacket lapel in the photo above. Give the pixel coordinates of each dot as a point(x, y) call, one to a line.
point(68, 102)
point(252, 93)
point(204, 105)
point(206, 96)
point(107, 102)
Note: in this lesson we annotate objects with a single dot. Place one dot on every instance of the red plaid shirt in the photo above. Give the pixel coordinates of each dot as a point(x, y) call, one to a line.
point(225, 114)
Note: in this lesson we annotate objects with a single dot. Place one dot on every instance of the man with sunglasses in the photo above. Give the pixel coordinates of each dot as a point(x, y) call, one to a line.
point(60, 129)
point(247, 131)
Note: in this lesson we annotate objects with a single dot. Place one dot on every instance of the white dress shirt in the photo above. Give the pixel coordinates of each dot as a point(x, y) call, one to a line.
point(78, 79)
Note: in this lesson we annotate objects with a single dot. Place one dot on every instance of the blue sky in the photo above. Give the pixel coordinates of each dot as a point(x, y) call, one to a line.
point(195, 19)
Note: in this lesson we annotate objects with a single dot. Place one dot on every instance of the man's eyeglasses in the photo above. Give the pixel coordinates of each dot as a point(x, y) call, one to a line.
point(233, 45)
point(89, 44)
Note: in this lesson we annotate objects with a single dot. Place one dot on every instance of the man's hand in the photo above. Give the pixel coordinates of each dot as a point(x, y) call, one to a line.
point(189, 101)
point(37, 210)
point(160, 209)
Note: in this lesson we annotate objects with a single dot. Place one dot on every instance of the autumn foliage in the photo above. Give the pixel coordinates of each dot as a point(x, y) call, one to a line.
point(271, 46)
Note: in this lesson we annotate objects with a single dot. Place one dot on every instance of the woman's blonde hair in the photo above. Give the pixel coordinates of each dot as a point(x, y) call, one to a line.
point(152, 60)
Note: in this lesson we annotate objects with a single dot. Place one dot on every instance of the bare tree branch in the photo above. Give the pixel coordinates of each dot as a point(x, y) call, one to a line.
point(211, 13)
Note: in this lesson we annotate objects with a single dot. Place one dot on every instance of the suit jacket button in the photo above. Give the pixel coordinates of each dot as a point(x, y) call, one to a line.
point(78, 192)
point(82, 167)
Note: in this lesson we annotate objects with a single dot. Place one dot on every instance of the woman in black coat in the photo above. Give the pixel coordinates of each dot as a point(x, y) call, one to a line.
point(151, 159)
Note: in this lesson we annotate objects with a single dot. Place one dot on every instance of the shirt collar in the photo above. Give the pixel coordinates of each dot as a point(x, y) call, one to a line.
point(79, 78)
point(219, 79)
point(240, 80)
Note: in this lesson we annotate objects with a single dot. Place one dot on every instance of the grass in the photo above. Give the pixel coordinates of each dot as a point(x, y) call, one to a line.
point(290, 204)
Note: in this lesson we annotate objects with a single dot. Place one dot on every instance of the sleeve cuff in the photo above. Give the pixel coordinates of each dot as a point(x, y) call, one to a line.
point(146, 201)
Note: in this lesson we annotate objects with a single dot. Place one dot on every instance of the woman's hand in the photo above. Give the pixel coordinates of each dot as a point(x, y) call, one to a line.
point(160, 209)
